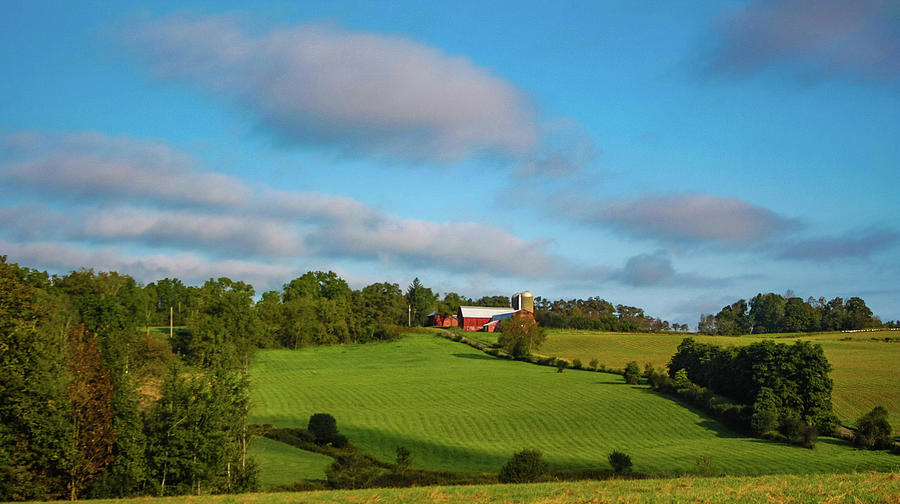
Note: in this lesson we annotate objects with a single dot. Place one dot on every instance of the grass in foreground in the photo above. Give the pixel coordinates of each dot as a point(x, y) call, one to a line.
point(457, 409)
point(865, 370)
point(869, 487)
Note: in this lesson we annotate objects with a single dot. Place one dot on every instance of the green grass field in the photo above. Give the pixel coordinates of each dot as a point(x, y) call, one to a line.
point(282, 464)
point(866, 372)
point(458, 409)
point(850, 488)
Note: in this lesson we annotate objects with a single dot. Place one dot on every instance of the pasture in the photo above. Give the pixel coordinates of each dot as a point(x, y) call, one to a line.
point(458, 409)
point(865, 487)
point(866, 371)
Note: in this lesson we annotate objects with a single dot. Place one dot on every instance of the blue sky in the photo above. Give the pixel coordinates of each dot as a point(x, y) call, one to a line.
point(651, 154)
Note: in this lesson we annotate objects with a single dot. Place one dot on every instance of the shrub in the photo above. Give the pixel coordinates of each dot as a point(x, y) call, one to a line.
point(873, 430)
point(324, 427)
point(576, 364)
point(386, 332)
point(351, 471)
point(525, 466)
point(561, 365)
point(619, 461)
point(595, 364)
point(632, 373)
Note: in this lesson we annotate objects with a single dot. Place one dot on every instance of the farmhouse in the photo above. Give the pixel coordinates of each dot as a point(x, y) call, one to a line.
point(481, 318)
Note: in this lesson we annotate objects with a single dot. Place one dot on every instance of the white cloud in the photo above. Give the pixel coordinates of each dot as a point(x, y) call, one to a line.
point(363, 92)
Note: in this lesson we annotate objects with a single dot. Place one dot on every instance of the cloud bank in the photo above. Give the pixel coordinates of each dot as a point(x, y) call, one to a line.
point(139, 193)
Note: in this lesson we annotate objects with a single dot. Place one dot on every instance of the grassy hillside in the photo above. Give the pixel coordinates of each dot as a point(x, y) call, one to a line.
point(868, 487)
point(458, 409)
point(865, 372)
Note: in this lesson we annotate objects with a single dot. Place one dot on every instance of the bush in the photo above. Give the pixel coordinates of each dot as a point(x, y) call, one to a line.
point(525, 466)
point(632, 373)
point(576, 364)
point(324, 427)
point(561, 365)
point(873, 431)
point(619, 461)
point(595, 364)
point(351, 471)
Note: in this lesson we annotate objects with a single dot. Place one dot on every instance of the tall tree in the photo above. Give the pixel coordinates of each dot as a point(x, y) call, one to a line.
point(421, 302)
point(90, 393)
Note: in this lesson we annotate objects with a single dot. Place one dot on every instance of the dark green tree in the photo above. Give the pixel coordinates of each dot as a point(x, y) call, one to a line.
point(632, 373)
point(421, 301)
point(323, 427)
point(873, 430)
point(766, 312)
point(619, 461)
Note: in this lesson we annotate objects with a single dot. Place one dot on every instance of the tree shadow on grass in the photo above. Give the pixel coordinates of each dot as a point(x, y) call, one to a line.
point(707, 422)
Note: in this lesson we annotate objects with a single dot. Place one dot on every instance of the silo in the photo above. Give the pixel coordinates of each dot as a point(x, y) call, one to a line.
point(523, 301)
point(527, 301)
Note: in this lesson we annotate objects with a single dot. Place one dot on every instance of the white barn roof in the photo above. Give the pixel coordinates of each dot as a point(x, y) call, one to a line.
point(483, 311)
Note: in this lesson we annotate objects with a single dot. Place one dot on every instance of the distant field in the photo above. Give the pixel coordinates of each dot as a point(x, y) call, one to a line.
point(868, 487)
point(282, 464)
point(458, 409)
point(866, 372)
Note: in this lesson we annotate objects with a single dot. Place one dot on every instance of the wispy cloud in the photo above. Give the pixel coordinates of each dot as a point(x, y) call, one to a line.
point(812, 38)
point(97, 166)
point(859, 245)
point(684, 219)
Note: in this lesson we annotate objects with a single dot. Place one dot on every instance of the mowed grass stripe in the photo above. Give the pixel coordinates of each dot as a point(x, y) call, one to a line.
point(457, 410)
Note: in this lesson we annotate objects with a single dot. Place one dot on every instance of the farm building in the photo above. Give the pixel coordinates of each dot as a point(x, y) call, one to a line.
point(481, 318)
point(436, 319)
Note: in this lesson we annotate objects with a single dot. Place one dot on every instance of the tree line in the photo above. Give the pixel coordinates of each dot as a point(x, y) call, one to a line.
point(773, 313)
point(598, 314)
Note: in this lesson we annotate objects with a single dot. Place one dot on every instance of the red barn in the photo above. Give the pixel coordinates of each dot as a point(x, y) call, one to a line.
point(480, 318)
